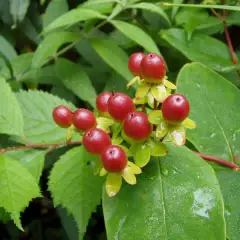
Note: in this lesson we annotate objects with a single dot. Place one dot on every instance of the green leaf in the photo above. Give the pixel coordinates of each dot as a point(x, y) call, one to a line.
point(142, 154)
point(202, 48)
point(50, 45)
point(158, 149)
point(72, 17)
point(11, 119)
point(155, 117)
point(118, 61)
point(37, 107)
point(7, 49)
point(152, 8)
point(74, 186)
point(102, 6)
point(18, 188)
point(226, 7)
point(55, 9)
point(75, 79)
point(31, 159)
point(168, 206)
point(214, 105)
point(18, 9)
point(137, 35)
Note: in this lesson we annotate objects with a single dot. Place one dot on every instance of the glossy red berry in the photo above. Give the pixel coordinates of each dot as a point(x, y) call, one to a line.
point(96, 140)
point(102, 102)
point(175, 108)
point(119, 105)
point(137, 126)
point(62, 116)
point(134, 63)
point(114, 159)
point(84, 119)
point(153, 68)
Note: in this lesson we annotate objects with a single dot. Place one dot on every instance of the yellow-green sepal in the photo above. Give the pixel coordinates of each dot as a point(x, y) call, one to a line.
point(188, 123)
point(142, 154)
point(113, 184)
point(177, 134)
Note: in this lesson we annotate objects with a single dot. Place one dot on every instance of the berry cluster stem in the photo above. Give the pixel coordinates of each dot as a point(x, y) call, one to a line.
point(218, 160)
point(39, 145)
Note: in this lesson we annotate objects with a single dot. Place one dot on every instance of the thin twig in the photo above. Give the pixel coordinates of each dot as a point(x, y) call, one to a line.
point(218, 160)
point(39, 145)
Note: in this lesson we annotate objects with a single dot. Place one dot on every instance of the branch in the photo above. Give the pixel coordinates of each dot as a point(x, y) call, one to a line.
point(218, 160)
point(41, 145)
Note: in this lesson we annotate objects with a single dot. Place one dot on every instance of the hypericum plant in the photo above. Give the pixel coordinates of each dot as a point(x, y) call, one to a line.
point(153, 117)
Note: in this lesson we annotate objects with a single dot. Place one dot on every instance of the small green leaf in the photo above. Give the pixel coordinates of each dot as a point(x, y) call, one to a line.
point(76, 80)
point(11, 118)
point(49, 46)
point(158, 149)
point(113, 184)
point(159, 92)
point(72, 17)
point(177, 135)
point(18, 9)
point(142, 90)
point(162, 129)
point(129, 176)
point(155, 117)
point(142, 154)
point(152, 8)
point(188, 123)
point(18, 188)
point(118, 61)
point(137, 35)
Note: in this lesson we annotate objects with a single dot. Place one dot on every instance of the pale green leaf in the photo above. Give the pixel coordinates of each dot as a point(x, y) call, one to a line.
point(11, 118)
point(18, 188)
point(72, 17)
point(152, 8)
point(155, 117)
point(31, 159)
point(201, 48)
point(37, 107)
point(74, 186)
point(49, 46)
point(113, 55)
point(55, 9)
point(113, 184)
point(76, 80)
point(137, 35)
point(142, 154)
point(171, 206)
point(18, 9)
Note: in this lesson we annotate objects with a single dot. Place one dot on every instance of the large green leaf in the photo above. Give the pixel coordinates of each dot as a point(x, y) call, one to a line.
point(72, 17)
point(113, 55)
point(137, 35)
point(31, 159)
point(37, 107)
point(75, 79)
point(18, 188)
point(55, 9)
point(50, 45)
point(201, 48)
point(182, 203)
point(74, 186)
point(11, 119)
point(7, 49)
point(152, 8)
point(214, 107)
point(18, 9)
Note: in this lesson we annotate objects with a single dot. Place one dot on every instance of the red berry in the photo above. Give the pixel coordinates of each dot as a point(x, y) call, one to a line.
point(62, 116)
point(153, 68)
point(96, 140)
point(114, 159)
point(120, 105)
point(84, 119)
point(134, 63)
point(175, 108)
point(137, 126)
point(102, 101)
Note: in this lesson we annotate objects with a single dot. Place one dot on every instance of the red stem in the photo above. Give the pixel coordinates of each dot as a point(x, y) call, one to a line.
point(41, 145)
point(218, 160)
